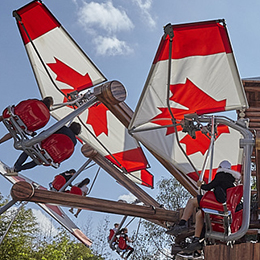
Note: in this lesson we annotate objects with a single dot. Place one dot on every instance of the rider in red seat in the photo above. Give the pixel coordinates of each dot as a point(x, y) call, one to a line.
point(80, 189)
point(33, 113)
point(66, 137)
point(224, 179)
point(112, 232)
point(122, 243)
point(61, 179)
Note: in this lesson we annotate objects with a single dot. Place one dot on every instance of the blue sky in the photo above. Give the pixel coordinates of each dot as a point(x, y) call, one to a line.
point(121, 38)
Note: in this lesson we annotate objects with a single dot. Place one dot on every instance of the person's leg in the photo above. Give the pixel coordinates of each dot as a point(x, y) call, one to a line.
point(77, 213)
point(199, 223)
point(182, 226)
point(197, 242)
point(21, 159)
point(28, 165)
point(130, 251)
point(6, 137)
point(192, 203)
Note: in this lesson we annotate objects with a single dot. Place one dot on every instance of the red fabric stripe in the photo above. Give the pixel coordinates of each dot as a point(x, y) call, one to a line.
point(195, 177)
point(131, 160)
point(197, 39)
point(36, 19)
point(147, 178)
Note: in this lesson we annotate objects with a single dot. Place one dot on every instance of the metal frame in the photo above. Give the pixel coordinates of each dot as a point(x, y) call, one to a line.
point(247, 143)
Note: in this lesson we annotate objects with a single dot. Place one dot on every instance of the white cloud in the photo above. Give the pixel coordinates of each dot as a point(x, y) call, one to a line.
point(111, 46)
point(145, 6)
point(45, 224)
point(129, 198)
point(104, 16)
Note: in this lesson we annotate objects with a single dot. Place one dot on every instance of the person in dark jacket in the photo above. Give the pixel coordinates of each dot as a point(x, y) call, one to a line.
point(224, 179)
point(71, 131)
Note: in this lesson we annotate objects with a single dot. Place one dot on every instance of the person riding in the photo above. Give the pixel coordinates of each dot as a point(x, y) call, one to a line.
point(128, 249)
point(59, 181)
point(112, 232)
point(29, 105)
point(72, 131)
point(84, 189)
point(224, 179)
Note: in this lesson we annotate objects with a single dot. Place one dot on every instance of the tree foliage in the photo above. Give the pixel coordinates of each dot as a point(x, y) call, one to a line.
point(24, 241)
point(152, 242)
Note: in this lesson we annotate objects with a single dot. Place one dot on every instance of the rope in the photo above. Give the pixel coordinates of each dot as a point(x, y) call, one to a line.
point(94, 181)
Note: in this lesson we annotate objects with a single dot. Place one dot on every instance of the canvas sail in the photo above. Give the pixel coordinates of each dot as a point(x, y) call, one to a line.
point(194, 71)
point(62, 68)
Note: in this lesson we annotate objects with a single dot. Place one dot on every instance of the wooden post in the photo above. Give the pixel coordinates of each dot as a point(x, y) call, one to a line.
point(257, 162)
point(24, 191)
point(118, 175)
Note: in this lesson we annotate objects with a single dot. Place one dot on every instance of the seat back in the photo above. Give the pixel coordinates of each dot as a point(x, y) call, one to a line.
point(59, 146)
point(111, 234)
point(33, 114)
point(58, 182)
point(234, 196)
point(75, 190)
point(122, 243)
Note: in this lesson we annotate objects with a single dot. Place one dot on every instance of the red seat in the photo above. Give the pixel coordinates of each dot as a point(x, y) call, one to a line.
point(33, 114)
point(111, 234)
point(75, 190)
point(59, 146)
point(122, 243)
point(58, 182)
point(234, 196)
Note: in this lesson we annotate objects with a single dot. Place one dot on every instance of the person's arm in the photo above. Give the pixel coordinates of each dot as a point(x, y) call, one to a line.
point(214, 183)
point(128, 239)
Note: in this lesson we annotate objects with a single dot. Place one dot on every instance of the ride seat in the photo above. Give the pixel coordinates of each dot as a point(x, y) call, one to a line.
point(75, 190)
point(209, 202)
point(122, 243)
point(58, 182)
point(59, 147)
point(111, 234)
point(30, 115)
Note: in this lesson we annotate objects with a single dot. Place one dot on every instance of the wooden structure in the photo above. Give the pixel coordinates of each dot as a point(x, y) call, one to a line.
point(124, 113)
point(252, 90)
point(24, 191)
point(237, 252)
point(112, 94)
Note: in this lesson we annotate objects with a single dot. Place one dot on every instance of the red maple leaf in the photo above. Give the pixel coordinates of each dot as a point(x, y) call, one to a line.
point(191, 97)
point(97, 117)
point(201, 143)
point(69, 76)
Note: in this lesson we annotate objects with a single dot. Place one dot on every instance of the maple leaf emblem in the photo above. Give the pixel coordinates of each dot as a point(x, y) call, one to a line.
point(201, 143)
point(192, 98)
point(195, 101)
point(70, 77)
point(97, 117)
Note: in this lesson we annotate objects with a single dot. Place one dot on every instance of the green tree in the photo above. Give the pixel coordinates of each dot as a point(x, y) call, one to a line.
point(100, 244)
point(24, 240)
point(19, 241)
point(152, 242)
point(63, 248)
